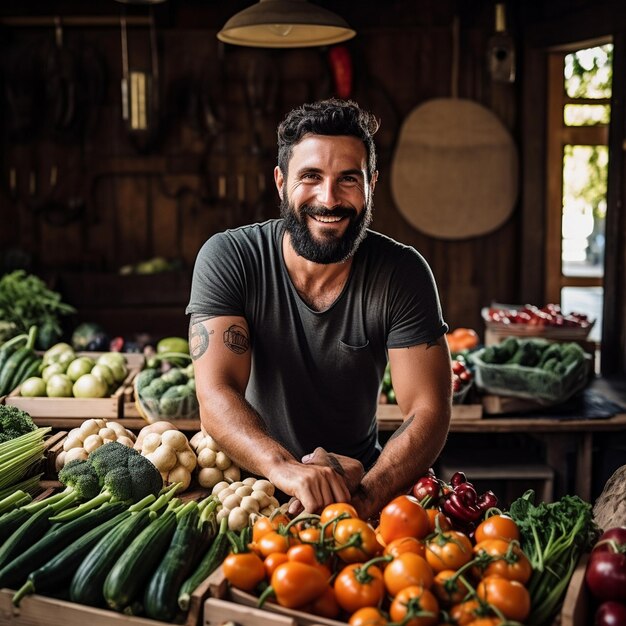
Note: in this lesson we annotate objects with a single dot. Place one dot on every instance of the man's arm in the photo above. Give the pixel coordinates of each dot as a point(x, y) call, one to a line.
point(422, 381)
point(221, 351)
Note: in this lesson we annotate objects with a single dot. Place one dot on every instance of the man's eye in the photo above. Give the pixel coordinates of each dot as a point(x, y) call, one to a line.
point(310, 176)
point(349, 179)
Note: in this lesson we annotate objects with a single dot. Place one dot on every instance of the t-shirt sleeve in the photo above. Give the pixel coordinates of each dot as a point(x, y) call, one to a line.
point(415, 310)
point(216, 287)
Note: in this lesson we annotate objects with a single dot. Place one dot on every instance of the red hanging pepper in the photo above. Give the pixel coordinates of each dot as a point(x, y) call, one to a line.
point(341, 66)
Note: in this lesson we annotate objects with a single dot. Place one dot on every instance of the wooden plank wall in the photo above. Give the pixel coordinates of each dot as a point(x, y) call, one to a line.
point(165, 200)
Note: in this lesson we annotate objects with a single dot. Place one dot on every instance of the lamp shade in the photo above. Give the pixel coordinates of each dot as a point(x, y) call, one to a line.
point(285, 24)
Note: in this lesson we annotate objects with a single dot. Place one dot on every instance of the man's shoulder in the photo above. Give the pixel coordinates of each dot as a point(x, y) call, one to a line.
point(258, 235)
point(384, 244)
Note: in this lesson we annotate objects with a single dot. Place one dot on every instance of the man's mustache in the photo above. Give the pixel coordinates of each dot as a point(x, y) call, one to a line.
point(318, 211)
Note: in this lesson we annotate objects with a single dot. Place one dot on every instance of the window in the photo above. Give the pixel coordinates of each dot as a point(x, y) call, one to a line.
point(579, 92)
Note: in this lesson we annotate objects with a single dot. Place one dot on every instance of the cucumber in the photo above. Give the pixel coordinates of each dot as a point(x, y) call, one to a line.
point(132, 570)
point(161, 594)
point(211, 561)
point(14, 573)
point(26, 365)
point(54, 575)
point(10, 368)
point(9, 347)
point(87, 583)
point(26, 534)
point(33, 370)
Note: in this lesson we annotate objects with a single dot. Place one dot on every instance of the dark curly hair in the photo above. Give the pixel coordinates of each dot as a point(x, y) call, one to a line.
point(327, 117)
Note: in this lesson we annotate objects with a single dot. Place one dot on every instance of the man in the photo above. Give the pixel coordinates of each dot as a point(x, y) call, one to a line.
point(293, 321)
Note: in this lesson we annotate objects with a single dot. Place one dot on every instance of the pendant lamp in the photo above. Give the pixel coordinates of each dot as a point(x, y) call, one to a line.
point(285, 24)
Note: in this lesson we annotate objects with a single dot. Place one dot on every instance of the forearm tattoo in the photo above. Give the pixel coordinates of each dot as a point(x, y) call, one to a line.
point(236, 339)
point(198, 338)
point(336, 465)
point(407, 422)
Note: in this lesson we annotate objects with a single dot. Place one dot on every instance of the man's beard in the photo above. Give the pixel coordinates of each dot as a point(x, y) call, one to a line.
point(332, 249)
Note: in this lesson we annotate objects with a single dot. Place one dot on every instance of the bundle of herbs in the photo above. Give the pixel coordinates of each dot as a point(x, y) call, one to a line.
point(553, 536)
point(25, 301)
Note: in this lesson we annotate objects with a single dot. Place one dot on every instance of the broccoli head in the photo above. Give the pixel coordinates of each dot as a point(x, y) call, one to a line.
point(118, 472)
point(14, 422)
point(82, 478)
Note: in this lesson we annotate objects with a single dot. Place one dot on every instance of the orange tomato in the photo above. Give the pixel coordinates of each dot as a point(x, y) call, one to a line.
point(404, 544)
point(244, 571)
point(273, 542)
point(509, 596)
point(359, 540)
point(509, 562)
point(446, 591)
point(368, 616)
point(406, 570)
point(486, 621)
point(448, 550)
point(272, 561)
point(333, 511)
point(465, 612)
point(497, 527)
point(356, 588)
point(305, 553)
point(434, 516)
point(413, 599)
point(311, 534)
point(326, 605)
point(404, 516)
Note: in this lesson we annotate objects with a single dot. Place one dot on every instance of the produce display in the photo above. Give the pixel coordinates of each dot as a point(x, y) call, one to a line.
point(462, 339)
point(64, 374)
point(549, 315)
point(214, 465)
point(166, 393)
point(92, 434)
point(531, 368)
point(25, 301)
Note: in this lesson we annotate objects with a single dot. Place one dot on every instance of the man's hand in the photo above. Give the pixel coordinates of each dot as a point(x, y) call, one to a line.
point(313, 486)
point(349, 469)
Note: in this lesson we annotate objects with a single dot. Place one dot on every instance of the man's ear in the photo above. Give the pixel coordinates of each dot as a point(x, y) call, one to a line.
point(373, 181)
point(279, 180)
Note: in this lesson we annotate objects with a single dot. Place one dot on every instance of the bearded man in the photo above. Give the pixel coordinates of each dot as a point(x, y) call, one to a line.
point(294, 320)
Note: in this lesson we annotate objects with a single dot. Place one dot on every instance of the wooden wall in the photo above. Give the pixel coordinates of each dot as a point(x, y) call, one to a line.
point(133, 202)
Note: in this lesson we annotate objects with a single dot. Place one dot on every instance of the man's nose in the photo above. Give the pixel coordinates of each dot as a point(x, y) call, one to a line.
point(328, 194)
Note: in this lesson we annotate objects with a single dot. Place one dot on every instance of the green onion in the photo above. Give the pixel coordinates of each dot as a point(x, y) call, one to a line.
point(19, 455)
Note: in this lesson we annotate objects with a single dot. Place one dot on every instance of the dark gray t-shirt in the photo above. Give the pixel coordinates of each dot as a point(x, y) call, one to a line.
point(316, 375)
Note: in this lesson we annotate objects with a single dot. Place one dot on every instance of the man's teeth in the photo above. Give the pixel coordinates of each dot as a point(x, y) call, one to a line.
point(327, 219)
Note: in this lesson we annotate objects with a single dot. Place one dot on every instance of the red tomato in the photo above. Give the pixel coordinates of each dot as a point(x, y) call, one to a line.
point(407, 570)
point(403, 517)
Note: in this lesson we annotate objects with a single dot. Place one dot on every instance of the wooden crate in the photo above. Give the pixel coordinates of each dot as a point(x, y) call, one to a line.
point(574, 611)
point(389, 416)
point(218, 612)
point(74, 408)
point(218, 587)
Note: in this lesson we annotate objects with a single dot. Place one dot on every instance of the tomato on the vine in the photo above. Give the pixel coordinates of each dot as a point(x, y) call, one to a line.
point(272, 561)
point(273, 542)
point(358, 538)
point(416, 605)
point(326, 605)
point(509, 562)
point(368, 616)
point(497, 527)
point(404, 544)
point(297, 584)
point(510, 597)
point(336, 511)
point(406, 570)
point(404, 516)
point(357, 587)
point(448, 591)
point(448, 550)
point(435, 516)
point(466, 612)
point(310, 534)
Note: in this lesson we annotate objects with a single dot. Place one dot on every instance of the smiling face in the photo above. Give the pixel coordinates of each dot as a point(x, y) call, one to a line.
point(326, 199)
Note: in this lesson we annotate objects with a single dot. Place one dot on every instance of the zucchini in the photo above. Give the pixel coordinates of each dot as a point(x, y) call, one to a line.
point(132, 570)
point(10, 522)
point(33, 370)
point(211, 561)
point(14, 573)
point(54, 575)
point(86, 586)
point(161, 594)
point(35, 527)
